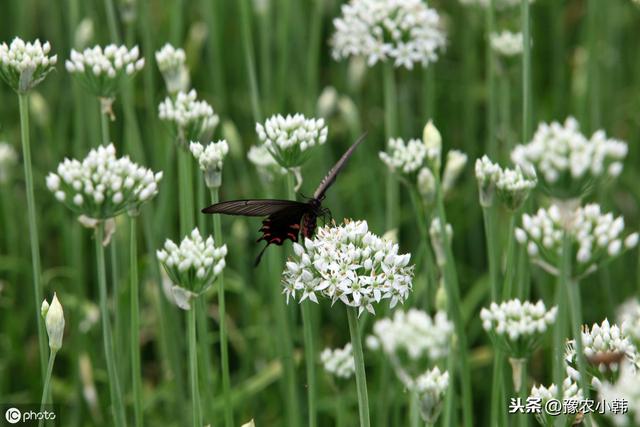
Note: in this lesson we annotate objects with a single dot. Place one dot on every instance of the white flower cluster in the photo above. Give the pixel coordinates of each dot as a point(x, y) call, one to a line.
point(431, 388)
point(566, 160)
point(602, 340)
point(192, 119)
point(407, 32)
point(404, 157)
point(210, 159)
point(629, 318)
point(516, 326)
point(102, 70)
point(102, 186)
point(595, 236)
point(289, 138)
point(626, 388)
point(193, 266)
point(348, 263)
point(171, 62)
point(8, 158)
point(24, 65)
point(339, 362)
point(262, 159)
point(512, 186)
point(570, 392)
point(413, 333)
point(507, 43)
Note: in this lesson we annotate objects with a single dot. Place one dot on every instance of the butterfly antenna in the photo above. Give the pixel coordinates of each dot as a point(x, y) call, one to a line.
point(259, 257)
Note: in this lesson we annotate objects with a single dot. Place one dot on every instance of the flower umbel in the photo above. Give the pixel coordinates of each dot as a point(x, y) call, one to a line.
point(512, 186)
point(406, 32)
point(347, 263)
point(53, 316)
point(192, 266)
point(542, 394)
point(102, 186)
point(516, 327)
point(595, 237)
point(507, 43)
point(339, 362)
point(191, 119)
point(406, 158)
point(567, 162)
point(210, 159)
point(171, 62)
point(101, 70)
point(24, 65)
point(430, 389)
point(289, 138)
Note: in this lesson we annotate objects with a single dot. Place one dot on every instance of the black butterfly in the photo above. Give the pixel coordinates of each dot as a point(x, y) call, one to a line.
point(285, 218)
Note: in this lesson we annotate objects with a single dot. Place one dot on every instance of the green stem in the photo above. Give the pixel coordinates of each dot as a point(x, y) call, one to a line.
point(114, 383)
point(490, 64)
point(309, 355)
point(492, 239)
point(193, 367)
point(414, 411)
point(313, 56)
point(526, 71)
point(361, 378)
point(104, 126)
point(47, 385)
point(454, 303)
point(510, 267)
point(185, 180)
point(247, 43)
point(390, 124)
point(523, 419)
point(136, 375)
point(559, 336)
point(36, 269)
point(224, 352)
point(575, 306)
point(283, 29)
point(111, 21)
point(497, 389)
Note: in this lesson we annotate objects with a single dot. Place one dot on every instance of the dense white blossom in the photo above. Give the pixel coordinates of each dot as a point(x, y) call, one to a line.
point(24, 65)
point(339, 362)
point(567, 161)
point(404, 157)
point(102, 186)
point(507, 43)
point(517, 326)
point(192, 266)
point(594, 237)
point(626, 388)
point(628, 315)
point(102, 70)
point(413, 333)
point(431, 388)
point(407, 32)
point(512, 186)
point(210, 159)
point(171, 62)
point(348, 263)
point(53, 316)
point(605, 346)
point(570, 392)
point(290, 138)
point(8, 158)
point(191, 118)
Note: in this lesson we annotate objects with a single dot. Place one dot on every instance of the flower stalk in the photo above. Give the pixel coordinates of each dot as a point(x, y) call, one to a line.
point(136, 375)
point(23, 100)
point(361, 378)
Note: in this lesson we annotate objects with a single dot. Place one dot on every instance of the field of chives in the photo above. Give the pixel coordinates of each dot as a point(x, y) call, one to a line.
point(481, 244)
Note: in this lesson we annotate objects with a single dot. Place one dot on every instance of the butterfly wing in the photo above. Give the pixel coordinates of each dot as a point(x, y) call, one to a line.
point(254, 207)
point(283, 225)
point(333, 173)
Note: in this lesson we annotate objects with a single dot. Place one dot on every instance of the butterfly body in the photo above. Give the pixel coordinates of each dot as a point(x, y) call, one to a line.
point(285, 219)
